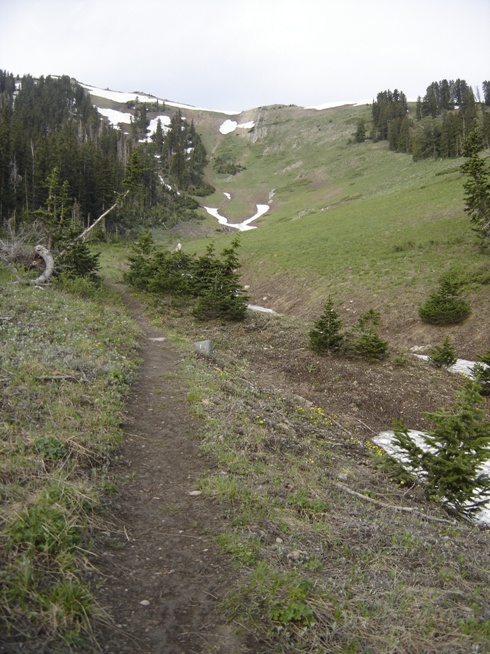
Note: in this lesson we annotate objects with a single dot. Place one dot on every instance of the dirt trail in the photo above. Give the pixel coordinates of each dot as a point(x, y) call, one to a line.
point(165, 576)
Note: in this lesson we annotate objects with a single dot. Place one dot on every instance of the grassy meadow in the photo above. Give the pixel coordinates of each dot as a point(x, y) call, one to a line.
point(370, 227)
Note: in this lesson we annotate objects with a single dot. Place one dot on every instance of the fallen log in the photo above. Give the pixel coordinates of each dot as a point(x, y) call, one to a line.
point(47, 257)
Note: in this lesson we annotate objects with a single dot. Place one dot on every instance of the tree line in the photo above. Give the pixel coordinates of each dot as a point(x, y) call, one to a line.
point(50, 123)
point(437, 128)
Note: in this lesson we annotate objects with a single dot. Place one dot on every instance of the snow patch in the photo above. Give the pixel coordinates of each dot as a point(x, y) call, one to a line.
point(115, 117)
point(230, 126)
point(243, 226)
point(462, 366)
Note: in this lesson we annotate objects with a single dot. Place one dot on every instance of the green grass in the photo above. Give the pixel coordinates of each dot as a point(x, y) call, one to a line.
point(67, 357)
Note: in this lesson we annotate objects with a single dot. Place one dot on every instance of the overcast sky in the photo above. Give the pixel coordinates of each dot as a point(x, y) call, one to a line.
point(240, 54)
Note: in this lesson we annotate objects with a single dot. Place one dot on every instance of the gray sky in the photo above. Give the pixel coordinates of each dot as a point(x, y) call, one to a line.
point(239, 54)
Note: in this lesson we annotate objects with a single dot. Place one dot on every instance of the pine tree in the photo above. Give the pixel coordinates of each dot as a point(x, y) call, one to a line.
point(445, 306)
point(443, 355)
point(326, 337)
point(477, 187)
point(222, 296)
point(456, 448)
point(360, 135)
point(481, 372)
point(364, 340)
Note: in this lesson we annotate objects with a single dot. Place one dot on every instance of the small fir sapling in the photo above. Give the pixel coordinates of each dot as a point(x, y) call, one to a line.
point(456, 447)
point(444, 354)
point(326, 333)
point(445, 306)
point(365, 340)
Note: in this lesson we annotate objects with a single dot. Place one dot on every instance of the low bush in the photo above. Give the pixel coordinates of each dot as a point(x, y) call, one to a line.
point(445, 306)
point(443, 355)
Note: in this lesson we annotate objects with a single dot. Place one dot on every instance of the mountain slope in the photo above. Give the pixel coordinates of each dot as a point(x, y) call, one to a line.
point(369, 226)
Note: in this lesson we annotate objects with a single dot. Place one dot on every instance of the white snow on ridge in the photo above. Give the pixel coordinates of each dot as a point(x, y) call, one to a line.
point(355, 103)
point(122, 97)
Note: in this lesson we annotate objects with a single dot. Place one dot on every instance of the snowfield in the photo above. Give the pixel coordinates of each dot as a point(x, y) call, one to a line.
point(230, 126)
point(243, 226)
point(123, 98)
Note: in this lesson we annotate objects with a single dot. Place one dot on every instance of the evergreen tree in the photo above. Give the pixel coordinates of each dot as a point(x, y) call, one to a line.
point(477, 187)
point(481, 372)
point(456, 447)
point(443, 355)
point(326, 337)
point(364, 340)
point(223, 296)
point(445, 306)
point(360, 135)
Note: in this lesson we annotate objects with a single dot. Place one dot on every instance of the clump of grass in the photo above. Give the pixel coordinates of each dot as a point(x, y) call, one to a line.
point(67, 356)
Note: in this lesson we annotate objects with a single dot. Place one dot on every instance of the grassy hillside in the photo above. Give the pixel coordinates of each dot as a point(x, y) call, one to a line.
point(371, 227)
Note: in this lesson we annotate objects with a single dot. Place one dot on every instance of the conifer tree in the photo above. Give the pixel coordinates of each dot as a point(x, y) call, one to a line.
point(477, 187)
point(326, 337)
point(446, 305)
point(456, 447)
point(223, 296)
point(443, 355)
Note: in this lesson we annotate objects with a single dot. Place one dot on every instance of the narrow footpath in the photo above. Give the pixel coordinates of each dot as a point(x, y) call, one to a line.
point(165, 576)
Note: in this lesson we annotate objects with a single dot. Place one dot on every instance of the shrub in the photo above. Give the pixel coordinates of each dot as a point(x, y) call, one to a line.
point(214, 282)
point(365, 340)
point(457, 446)
point(220, 292)
point(443, 355)
point(325, 335)
point(445, 306)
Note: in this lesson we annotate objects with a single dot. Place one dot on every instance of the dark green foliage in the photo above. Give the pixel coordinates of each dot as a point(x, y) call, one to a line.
point(457, 445)
point(387, 107)
point(364, 340)
point(213, 282)
point(326, 333)
point(444, 116)
point(220, 293)
point(73, 257)
point(52, 123)
point(477, 187)
point(226, 164)
point(443, 355)
point(76, 259)
point(481, 371)
point(445, 306)
point(360, 135)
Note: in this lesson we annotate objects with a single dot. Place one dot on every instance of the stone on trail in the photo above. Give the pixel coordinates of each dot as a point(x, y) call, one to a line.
point(205, 347)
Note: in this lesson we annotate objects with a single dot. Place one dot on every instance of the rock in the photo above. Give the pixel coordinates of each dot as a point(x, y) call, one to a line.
point(195, 493)
point(205, 347)
point(145, 603)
